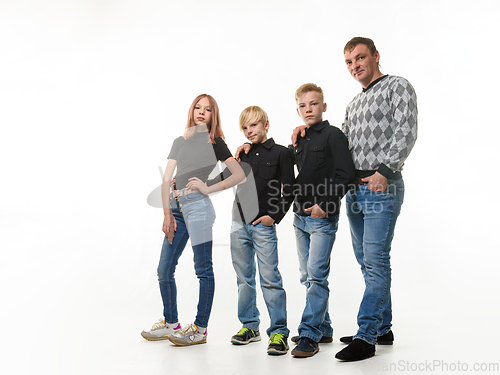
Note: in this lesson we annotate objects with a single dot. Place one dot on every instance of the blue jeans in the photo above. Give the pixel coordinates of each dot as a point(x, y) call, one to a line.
point(195, 216)
point(247, 241)
point(315, 239)
point(372, 219)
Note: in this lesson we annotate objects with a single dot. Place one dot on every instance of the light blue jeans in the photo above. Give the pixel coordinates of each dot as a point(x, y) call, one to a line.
point(372, 219)
point(195, 221)
point(315, 238)
point(248, 241)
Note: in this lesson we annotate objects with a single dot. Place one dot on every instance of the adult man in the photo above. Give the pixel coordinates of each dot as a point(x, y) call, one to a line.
point(381, 127)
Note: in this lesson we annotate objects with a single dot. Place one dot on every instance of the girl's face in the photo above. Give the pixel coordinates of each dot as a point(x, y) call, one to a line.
point(202, 112)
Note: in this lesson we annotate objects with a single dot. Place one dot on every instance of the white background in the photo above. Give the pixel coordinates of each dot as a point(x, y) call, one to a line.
point(92, 93)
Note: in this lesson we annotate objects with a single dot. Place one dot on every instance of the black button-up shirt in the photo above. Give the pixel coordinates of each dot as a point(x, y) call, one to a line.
point(272, 169)
point(325, 169)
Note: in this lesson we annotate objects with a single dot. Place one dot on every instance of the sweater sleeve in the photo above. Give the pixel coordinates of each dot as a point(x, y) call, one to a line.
point(404, 112)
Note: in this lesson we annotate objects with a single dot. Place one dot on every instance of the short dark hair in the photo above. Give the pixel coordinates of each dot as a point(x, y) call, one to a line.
point(360, 40)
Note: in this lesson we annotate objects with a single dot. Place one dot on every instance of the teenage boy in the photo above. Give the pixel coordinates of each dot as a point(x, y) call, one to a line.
point(325, 172)
point(254, 234)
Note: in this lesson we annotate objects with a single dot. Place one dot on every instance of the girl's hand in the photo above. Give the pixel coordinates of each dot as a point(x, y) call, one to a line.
point(169, 226)
point(196, 184)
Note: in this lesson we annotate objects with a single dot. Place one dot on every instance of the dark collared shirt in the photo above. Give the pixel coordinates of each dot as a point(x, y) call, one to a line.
point(325, 169)
point(272, 168)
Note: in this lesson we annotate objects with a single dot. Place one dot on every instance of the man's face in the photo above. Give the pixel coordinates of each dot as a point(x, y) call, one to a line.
point(311, 108)
point(362, 65)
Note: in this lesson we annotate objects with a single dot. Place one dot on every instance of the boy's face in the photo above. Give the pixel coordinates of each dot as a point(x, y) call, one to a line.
point(310, 108)
point(256, 132)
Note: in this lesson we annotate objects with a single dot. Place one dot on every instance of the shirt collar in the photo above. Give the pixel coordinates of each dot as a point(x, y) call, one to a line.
point(267, 144)
point(319, 126)
point(375, 82)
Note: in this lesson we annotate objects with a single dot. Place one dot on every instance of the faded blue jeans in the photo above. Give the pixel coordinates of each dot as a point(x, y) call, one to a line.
point(248, 241)
point(315, 238)
point(195, 216)
point(372, 219)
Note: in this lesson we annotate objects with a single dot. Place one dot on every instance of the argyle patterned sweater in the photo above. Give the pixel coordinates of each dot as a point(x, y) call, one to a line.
point(381, 125)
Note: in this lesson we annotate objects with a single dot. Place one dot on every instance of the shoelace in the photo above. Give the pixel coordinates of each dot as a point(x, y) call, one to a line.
point(160, 324)
point(242, 331)
point(277, 338)
point(190, 327)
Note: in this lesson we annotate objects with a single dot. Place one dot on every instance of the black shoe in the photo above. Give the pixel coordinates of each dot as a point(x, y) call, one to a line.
point(323, 340)
point(245, 336)
point(305, 348)
point(387, 339)
point(277, 344)
point(356, 351)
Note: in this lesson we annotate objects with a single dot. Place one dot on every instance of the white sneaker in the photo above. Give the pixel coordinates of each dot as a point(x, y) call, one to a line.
point(160, 331)
point(190, 335)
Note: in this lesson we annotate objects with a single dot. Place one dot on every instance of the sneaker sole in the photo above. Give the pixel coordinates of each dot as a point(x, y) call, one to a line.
point(300, 354)
point(187, 344)
point(252, 339)
point(154, 338)
point(276, 352)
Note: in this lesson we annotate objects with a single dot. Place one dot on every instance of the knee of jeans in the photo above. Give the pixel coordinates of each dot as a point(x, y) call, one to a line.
point(165, 275)
point(377, 270)
point(204, 271)
point(318, 274)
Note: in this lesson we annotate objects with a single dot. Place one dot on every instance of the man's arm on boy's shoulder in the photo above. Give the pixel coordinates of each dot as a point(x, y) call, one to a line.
point(287, 181)
point(343, 174)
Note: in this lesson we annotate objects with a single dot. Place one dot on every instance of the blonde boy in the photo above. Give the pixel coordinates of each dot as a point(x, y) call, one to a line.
point(272, 169)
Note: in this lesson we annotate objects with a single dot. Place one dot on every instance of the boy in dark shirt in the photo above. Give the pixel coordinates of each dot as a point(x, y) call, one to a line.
point(325, 172)
point(253, 231)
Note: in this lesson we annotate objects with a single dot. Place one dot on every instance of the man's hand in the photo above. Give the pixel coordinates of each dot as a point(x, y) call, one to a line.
point(316, 212)
point(376, 182)
point(244, 147)
point(196, 184)
point(298, 130)
point(266, 220)
point(169, 226)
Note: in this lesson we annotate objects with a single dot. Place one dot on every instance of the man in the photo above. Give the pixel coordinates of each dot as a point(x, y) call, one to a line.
point(381, 127)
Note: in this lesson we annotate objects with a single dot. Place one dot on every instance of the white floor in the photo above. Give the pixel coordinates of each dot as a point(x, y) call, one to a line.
point(81, 311)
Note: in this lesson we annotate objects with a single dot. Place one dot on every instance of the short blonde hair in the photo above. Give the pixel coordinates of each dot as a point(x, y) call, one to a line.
point(306, 87)
point(252, 115)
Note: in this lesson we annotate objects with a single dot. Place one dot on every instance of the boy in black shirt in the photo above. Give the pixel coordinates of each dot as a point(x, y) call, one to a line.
point(325, 172)
point(254, 231)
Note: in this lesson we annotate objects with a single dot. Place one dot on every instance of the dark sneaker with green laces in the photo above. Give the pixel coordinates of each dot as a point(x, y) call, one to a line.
point(277, 344)
point(305, 348)
point(245, 336)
